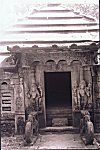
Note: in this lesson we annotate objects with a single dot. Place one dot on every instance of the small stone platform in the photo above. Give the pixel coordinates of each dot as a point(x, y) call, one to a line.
point(62, 129)
point(59, 122)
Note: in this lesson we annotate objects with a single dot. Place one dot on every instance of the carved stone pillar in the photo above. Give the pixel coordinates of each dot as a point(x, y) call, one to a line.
point(20, 103)
point(26, 72)
point(15, 83)
point(81, 73)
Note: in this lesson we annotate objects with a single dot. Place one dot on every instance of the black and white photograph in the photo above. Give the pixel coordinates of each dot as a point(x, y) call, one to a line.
point(49, 74)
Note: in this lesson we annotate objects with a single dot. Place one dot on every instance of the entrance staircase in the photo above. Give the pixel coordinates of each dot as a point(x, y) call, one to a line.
point(59, 120)
point(59, 116)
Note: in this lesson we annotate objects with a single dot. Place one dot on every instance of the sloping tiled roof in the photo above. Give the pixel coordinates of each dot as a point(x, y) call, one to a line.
point(51, 25)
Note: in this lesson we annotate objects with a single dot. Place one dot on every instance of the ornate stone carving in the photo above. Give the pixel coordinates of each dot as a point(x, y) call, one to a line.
point(19, 103)
point(40, 96)
point(50, 64)
point(75, 97)
point(82, 97)
point(61, 65)
point(7, 116)
point(20, 72)
point(8, 128)
point(35, 96)
point(11, 60)
point(19, 89)
point(67, 55)
point(89, 95)
point(24, 60)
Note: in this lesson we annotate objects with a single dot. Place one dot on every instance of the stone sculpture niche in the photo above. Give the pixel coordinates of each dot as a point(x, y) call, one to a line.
point(82, 96)
point(34, 95)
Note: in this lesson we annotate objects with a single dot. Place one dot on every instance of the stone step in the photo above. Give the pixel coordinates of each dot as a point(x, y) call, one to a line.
point(58, 110)
point(59, 115)
point(64, 129)
point(49, 121)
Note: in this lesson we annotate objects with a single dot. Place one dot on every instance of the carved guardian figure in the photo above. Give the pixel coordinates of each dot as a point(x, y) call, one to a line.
point(86, 128)
point(29, 130)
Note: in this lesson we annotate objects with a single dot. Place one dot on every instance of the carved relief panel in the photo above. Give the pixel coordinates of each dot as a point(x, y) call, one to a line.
point(82, 96)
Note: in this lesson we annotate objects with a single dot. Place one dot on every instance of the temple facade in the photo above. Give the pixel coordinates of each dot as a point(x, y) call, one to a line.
point(54, 79)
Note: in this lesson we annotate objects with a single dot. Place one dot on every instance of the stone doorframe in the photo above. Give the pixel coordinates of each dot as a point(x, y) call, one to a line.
point(58, 61)
point(53, 67)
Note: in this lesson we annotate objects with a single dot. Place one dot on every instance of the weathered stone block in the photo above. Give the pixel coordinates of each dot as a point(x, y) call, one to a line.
point(59, 122)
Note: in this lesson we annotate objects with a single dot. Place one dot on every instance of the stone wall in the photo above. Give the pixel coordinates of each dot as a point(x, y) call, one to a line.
point(30, 72)
point(12, 101)
point(96, 97)
point(7, 98)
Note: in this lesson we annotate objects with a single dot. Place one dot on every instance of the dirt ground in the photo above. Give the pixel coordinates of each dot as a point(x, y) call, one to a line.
point(47, 141)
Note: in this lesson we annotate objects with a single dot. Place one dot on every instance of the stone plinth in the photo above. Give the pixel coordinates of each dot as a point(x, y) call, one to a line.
point(59, 122)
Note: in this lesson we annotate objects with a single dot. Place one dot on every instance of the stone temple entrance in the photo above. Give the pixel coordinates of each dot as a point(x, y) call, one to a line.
point(58, 98)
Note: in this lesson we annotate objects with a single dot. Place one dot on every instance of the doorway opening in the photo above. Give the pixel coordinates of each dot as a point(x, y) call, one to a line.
point(58, 89)
point(58, 96)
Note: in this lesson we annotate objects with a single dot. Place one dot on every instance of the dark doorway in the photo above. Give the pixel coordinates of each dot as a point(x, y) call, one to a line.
point(58, 89)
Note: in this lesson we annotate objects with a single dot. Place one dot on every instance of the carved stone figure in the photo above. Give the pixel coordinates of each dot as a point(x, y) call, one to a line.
point(30, 128)
point(32, 93)
point(35, 96)
point(86, 128)
point(89, 132)
point(40, 96)
point(82, 96)
point(75, 97)
point(89, 95)
point(18, 103)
